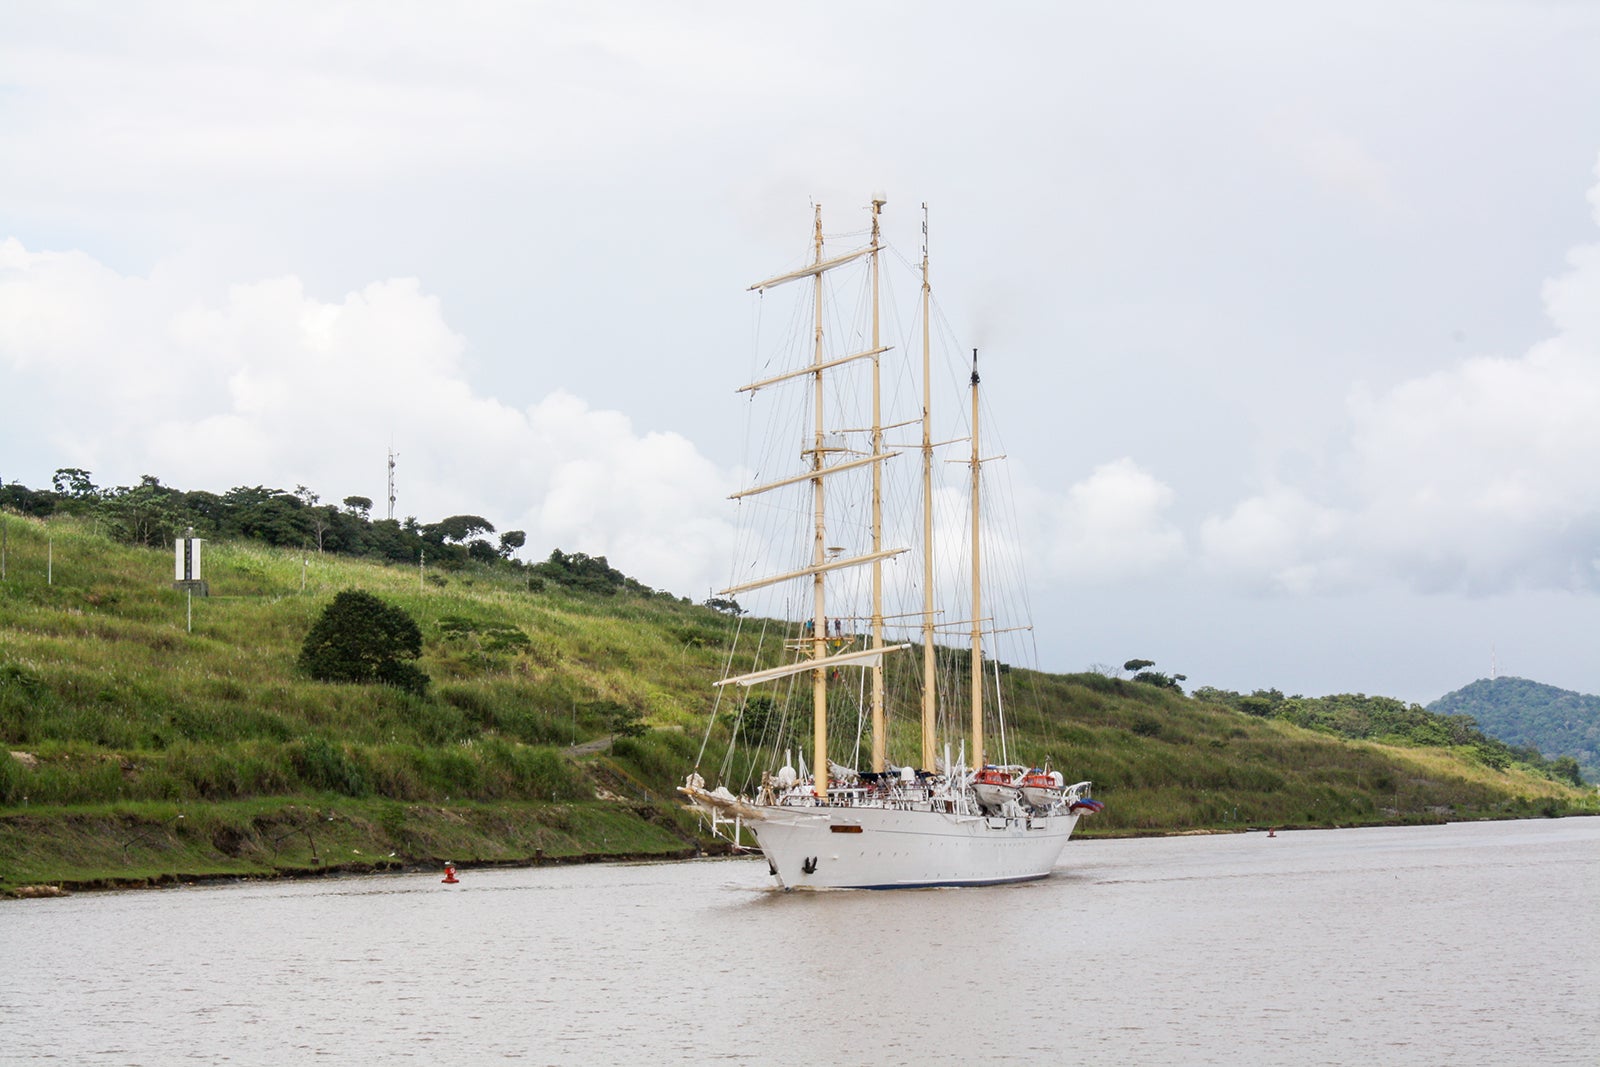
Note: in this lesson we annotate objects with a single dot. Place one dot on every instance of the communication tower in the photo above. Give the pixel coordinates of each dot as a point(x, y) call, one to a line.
point(392, 455)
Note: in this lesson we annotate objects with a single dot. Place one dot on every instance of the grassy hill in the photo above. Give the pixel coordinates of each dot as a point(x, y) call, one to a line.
point(1557, 722)
point(144, 750)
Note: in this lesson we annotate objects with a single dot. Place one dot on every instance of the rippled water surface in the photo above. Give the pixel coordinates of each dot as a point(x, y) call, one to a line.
point(1461, 944)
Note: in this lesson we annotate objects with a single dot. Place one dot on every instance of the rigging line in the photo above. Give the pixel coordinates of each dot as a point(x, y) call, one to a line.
point(780, 705)
point(861, 718)
point(727, 758)
point(1000, 713)
point(727, 664)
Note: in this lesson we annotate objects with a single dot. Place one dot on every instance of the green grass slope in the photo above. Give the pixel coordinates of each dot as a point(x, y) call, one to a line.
point(142, 750)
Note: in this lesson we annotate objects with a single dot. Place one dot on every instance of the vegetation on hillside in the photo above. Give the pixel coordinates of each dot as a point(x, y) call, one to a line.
point(132, 733)
point(359, 638)
point(1358, 716)
point(1557, 722)
point(152, 514)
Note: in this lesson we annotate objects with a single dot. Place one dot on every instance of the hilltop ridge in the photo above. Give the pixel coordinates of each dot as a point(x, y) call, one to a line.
point(1557, 722)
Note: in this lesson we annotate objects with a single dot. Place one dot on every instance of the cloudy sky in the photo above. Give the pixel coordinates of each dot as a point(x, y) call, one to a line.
point(1293, 310)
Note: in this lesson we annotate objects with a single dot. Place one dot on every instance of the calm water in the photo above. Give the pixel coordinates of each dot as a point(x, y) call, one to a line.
point(1466, 944)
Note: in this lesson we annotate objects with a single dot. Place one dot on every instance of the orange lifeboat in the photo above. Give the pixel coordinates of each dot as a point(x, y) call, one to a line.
point(993, 787)
point(1041, 789)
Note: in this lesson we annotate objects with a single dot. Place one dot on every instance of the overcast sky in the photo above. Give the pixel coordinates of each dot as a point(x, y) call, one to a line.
point(1294, 310)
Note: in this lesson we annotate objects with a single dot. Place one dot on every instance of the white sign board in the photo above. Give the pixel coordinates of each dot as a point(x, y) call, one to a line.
point(187, 562)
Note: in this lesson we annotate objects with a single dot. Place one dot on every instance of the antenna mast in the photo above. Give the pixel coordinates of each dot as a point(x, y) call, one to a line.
point(391, 481)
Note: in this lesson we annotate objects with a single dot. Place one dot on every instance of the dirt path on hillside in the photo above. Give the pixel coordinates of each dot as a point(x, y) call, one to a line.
point(588, 748)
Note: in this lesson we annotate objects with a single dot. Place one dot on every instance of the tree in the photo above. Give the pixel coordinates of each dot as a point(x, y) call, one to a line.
point(1138, 664)
point(269, 515)
point(146, 514)
point(359, 506)
point(360, 638)
point(1162, 681)
point(726, 605)
point(458, 528)
point(756, 716)
point(74, 482)
point(590, 573)
point(39, 502)
point(625, 722)
point(512, 540)
point(1566, 768)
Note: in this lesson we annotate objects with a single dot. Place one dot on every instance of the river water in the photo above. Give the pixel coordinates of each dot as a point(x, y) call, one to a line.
point(1460, 944)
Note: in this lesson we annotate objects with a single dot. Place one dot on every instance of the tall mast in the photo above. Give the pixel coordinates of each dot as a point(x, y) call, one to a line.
point(928, 664)
point(819, 618)
point(977, 591)
point(879, 732)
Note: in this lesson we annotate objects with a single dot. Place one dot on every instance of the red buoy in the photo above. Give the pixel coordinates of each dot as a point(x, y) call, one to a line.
point(450, 874)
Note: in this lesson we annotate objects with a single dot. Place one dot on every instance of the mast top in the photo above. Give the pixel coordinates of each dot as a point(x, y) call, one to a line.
point(974, 366)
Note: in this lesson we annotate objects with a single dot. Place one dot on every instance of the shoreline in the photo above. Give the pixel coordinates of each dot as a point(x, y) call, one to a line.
point(719, 851)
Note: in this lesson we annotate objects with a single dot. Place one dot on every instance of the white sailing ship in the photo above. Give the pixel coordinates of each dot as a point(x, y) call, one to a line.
point(944, 821)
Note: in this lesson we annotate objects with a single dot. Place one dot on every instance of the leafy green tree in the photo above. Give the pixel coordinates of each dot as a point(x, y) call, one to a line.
point(1160, 680)
point(207, 509)
point(620, 720)
point(388, 539)
point(458, 528)
point(1145, 676)
point(145, 514)
point(625, 722)
point(359, 506)
point(756, 716)
point(1566, 768)
point(74, 482)
point(726, 605)
point(37, 502)
point(512, 540)
point(1254, 705)
point(269, 515)
point(577, 570)
point(360, 638)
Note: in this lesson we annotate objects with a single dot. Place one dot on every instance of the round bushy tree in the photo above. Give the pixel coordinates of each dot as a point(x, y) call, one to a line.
point(359, 638)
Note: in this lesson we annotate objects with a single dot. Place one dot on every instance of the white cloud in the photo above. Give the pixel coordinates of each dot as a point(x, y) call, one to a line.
point(152, 107)
point(1280, 540)
point(1481, 478)
point(275, 385)
point(1112, 526)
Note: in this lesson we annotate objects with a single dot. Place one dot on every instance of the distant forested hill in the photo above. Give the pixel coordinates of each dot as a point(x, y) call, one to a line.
point(1558, 722)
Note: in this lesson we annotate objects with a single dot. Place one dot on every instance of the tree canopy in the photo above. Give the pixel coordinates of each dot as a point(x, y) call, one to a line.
point(153, 514)
point(1557, 722)
point(360, 638)
point(1385, 719)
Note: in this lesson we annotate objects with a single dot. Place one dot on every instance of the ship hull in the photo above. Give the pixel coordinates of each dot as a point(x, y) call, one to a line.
point(886, 848)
